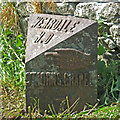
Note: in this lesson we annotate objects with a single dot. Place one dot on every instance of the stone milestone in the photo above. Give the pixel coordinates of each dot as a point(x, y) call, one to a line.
point(61, 55)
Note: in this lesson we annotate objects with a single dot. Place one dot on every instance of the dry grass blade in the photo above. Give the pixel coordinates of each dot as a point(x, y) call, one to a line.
point(72, 106)
point(93, 108)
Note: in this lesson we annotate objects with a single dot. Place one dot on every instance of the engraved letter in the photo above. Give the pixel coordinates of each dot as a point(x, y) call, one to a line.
point(73, 27)
point(49, 38)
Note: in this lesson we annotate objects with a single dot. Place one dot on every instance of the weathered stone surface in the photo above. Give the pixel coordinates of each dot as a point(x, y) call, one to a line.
point(86, 10)
point(61, 55)
point(58, 8)
point(66, 8)
point(109, 12)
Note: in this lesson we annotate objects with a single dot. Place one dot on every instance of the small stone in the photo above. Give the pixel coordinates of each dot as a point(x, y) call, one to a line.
point(107, 42)
point(118, 55)
point(110, 43)
point(66, 8)
point(115, 30)
point(110, 56)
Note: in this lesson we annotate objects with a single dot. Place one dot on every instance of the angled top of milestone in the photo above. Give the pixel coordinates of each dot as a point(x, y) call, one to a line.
point(45, 31)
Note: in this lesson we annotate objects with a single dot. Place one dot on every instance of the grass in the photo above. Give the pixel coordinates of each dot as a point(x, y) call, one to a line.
point(13, 100)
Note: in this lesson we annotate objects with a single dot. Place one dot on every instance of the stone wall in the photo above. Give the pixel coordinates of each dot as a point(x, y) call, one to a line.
point(107, 13)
